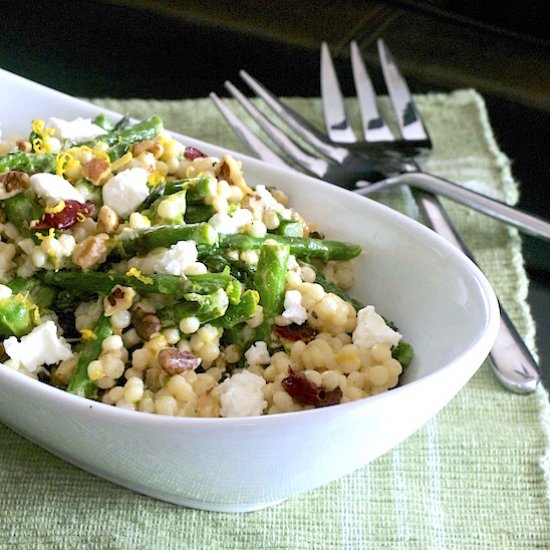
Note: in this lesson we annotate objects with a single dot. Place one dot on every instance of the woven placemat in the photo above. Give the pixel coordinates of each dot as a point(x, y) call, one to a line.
point(476, 476)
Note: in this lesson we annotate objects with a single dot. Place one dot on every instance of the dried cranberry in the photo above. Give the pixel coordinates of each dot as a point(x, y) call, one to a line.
point(191, 153)
point(71, 214)
point(295, 332)
point(298, 386)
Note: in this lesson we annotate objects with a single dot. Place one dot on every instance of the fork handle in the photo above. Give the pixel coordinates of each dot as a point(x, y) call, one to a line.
point(527, 223)
point(511, 360)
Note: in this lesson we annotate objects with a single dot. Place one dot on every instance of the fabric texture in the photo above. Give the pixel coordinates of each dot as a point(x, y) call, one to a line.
point(476, 476)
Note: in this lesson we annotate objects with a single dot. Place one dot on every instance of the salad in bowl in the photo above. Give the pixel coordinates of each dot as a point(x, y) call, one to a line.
point(142, 273)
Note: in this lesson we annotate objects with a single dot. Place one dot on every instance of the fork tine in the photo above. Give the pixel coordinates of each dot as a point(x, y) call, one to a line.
point(374, 126)
point(248, 137)
point(314, 165)
point(309, 133)
point(408, 117)
point(336, 122)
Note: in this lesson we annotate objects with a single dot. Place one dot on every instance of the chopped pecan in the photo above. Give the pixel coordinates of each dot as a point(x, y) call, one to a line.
point(97, 170)
point(91, 251)
point(174, 361)
point(148, 146)
point(107, 220)
point(230, 170)
point(146, 324)
point(12, 182)
point(298, 386)
point(24, 145)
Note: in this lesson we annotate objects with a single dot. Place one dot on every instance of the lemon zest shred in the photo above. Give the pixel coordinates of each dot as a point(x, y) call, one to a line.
point(133, 272)
point(80, 217)
point(88, 334)
point(55, 209)
point(119, 163)
point(156, 178)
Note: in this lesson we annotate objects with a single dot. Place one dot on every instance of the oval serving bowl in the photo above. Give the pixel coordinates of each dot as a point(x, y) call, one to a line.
point(437, 297)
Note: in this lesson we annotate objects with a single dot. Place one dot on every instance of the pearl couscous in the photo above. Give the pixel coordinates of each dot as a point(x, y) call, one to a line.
point(139, 272)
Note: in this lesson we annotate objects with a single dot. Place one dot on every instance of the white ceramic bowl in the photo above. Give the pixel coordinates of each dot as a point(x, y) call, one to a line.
point(439, 300)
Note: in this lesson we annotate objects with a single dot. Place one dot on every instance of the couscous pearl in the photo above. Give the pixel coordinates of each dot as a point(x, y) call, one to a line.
point(172, 335)
point(220, 204)
point(166, 405)
point(168, 209)
point(133, 390)
point(141, 359)
point(189, 325)
point(131, 338)
point(256, 228)
point(196, 268)
point(180, 388)
point(378, 375)
point(283, 401)
point(380, 353)
point(121, 320)
point(95, 370)
point(271, 219)
point(232, 353)
point(112, 343)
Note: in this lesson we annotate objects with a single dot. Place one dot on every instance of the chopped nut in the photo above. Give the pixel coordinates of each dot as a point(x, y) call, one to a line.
point(174, 361)
point(230, 170)
point(24, 145)
point(91, 251)
point(107, 220)
point(120, 299)
point(13, 182)
point(148, 146)
point(97, 170)
point(146, 324)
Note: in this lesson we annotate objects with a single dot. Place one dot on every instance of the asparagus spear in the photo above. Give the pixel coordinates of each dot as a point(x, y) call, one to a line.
point(166, 236)
point(174, 285)
point(80, 383)
point(17, 316)
point(31, 163)
point(205, 307)
point(146, 129)
point(240, 312)
point(301, 247)
point(270, 281)
point(21, 210)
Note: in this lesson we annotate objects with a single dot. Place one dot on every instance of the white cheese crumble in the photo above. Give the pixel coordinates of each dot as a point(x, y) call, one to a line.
point(177, 258)
point(126, 191)
point(242, 395)
point(41, 346)
point(257, 354)
point(294, 310)
point(224, 223)
point(371, 329)
point(79, 129)
point(54, 188)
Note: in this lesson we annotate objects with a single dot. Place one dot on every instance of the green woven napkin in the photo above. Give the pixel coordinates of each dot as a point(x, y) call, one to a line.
point(476, 476)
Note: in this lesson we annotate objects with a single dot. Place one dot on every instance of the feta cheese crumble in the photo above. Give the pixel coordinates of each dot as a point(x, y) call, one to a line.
point(41, 346)
point(257, 354)
point(242, 395)
point(178, 257)
point(126, 191)
point(224, 223)
point(371, 329)
point(79, 129)
point(54, 188)
point(294, 311)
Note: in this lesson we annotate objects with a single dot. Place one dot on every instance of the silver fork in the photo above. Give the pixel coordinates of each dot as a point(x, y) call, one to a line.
point(379, 162)
point(510, 358)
